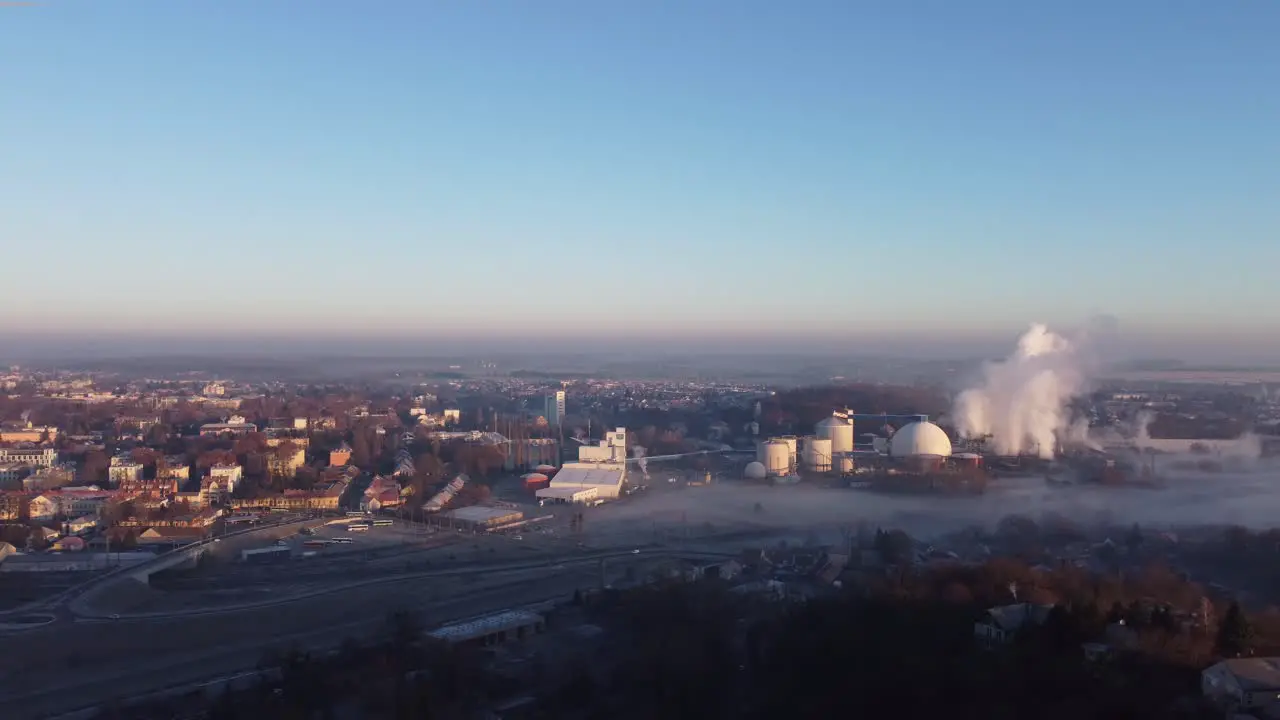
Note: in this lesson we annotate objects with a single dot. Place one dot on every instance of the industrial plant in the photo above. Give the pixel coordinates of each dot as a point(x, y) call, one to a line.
point(835, 452)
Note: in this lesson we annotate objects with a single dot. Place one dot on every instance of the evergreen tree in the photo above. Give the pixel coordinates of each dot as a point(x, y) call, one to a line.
point(1235, 634)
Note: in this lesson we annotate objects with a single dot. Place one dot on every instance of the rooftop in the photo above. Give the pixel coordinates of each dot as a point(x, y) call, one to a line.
point(1255, 673)
point(481, 626)
point(480, 513)
point(588, 475)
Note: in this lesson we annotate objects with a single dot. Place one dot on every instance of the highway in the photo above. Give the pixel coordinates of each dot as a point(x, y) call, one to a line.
point(68, 667)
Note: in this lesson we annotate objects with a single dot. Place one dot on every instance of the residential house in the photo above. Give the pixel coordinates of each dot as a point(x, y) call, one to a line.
point(162, 536)
point(345, 473)
point(174, 468)
point(15, 506)
point(83, 524)
point(153, 488)
point(212, 492)
point(123, 471)
point(1001, 624)
point(69, 543)
point(1245, 685)
point(12, 473)
point(227, 476)
point(49, 478)
point(43, 507)
point(383, 492)
point(276, 441)
point(286, 456)
point(192, 498)
point(340, 456)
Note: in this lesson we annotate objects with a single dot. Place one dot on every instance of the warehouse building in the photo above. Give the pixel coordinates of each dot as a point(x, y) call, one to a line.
point(491, 629)
point(482, 517)
point(567, 495)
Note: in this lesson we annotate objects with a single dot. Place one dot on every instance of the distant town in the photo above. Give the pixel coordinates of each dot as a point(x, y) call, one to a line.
point(157, 533)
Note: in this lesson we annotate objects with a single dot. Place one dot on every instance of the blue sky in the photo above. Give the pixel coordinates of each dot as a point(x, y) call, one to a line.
point(670, 169)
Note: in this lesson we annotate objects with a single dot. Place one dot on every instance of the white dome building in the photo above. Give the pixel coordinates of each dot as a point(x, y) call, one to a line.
point(754, 471)
point(920, 439)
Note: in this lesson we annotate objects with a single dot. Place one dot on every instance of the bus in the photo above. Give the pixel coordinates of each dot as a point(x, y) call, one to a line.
point(383, 523)
point(342, 541)
point(355, 513)
point(315, 543)
point(358, 528)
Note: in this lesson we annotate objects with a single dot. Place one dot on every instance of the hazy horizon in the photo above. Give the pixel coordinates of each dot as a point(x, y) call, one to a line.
point(1119, 348)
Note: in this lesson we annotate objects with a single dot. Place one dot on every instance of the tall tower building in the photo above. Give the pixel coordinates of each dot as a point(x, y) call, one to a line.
point(554, 410)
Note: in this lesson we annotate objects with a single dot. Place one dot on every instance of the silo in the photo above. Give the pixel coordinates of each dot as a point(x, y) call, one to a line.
point(844, 464)
point(792, 445)
point(817, 454)
point(839, 431)
point(777, 458)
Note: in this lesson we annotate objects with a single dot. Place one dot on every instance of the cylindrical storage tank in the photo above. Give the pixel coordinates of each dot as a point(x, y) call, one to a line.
point(839, 431)
point(844, 464)
point(777, 458)
point(760, 451)
point(755, 471)
point(793, 445)
point(817, 454)
point(535, 481)
point(842, 437)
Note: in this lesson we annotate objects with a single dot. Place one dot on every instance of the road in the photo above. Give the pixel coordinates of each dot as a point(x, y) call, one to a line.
point(66, 667)
point(338, 584)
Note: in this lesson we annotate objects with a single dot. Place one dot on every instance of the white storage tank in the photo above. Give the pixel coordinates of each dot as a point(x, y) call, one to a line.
point(839, 431)
point(793, 445)
point(844, 464)
point(777, 458)
point(920, 439)
point(817, 454)
point(754, 471)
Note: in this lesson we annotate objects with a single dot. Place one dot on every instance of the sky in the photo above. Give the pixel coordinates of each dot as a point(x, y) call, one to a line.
point(833, 173)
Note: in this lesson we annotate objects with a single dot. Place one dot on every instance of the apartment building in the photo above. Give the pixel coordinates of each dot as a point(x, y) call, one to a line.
point(40, 457)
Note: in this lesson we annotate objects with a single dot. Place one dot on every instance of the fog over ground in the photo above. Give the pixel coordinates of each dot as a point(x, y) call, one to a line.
point(1249, 498)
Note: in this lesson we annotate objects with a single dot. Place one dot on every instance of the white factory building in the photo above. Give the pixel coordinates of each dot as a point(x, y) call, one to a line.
point(598, 474)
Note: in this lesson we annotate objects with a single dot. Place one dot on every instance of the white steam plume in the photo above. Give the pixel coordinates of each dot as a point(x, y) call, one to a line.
point(1022, 402)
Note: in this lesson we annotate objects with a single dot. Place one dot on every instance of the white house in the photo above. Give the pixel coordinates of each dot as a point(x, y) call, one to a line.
point(123, 471)
point(229, 476)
